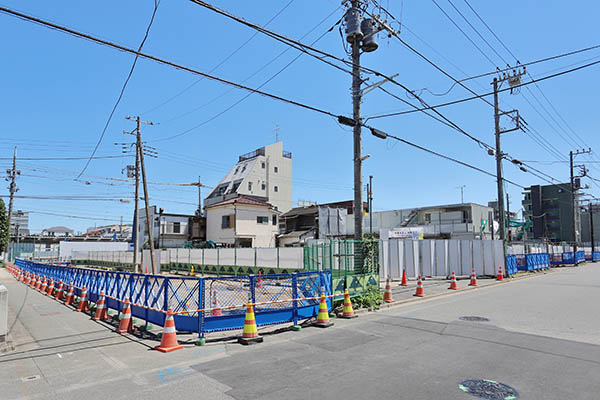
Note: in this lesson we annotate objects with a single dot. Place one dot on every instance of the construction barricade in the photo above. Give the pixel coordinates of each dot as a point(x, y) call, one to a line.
point(277, 299)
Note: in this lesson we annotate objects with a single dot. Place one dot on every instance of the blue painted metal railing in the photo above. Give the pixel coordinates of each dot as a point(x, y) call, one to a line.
point(278, 298)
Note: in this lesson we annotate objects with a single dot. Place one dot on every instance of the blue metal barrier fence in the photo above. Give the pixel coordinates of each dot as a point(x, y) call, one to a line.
point(278, 298)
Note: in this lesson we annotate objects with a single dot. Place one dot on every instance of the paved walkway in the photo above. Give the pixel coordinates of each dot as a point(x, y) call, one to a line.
point(541, 338)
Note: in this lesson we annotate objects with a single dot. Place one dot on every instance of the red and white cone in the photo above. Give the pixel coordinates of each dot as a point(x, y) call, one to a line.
point(83, 301)
point(216, 309)
point(44, 285)
point(387, 294)
point(420, 292)
point(27, 278)
point(125, 321)
point(453, 284)
point(168, 340)
point(50, 290)
point(500, 276)
point(38, 283)
point(70, 295)
point(404, 282)
point(60, 291)
point(101, 312)
point(473, 279)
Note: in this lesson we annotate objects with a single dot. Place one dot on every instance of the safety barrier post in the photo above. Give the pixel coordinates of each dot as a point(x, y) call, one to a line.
point(295, 327)
point(252, 291)
point(146, 282)
point(118, 294)
point(166, 298)
point(201, 341)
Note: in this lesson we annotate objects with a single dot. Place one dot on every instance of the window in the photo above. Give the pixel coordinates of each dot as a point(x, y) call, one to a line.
point(275, 169)
point(236, 170)
point(427, 218)
point(250, 186)
point(263, 165)
point(262, 220)
point(176, 227)
point(244, 168)
point(274, 219)
point(263, 186)
point(227, 221)
point(275, 189)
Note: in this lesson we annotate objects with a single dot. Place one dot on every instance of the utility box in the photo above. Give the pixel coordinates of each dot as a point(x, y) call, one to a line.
point(3, 313)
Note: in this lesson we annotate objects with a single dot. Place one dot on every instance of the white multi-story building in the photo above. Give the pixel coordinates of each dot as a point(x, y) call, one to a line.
point(168, 230)
point(265, 174)
point(19, 220)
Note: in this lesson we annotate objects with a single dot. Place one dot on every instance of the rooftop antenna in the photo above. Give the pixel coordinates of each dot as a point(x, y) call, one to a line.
point(276, 133)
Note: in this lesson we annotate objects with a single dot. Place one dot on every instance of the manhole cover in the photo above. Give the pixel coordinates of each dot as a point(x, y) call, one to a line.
point(488, 389)
point(474, 319)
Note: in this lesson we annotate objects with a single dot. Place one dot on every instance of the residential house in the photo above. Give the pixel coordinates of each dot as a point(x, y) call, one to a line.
point(168, 230)
point(58, 231)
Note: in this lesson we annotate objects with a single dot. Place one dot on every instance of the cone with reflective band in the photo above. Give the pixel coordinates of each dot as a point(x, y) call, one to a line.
point(420, 292)
point(60, 291)
point(453, 284)
point(168, 340)
point(44, 285)
point(69, 299)
point(473, 279)
point(21, 276)
point(34, 279)
point(250, 332)
point(216, 309)
point(125, 321)
point(38, 283)
point(101, 311)
point(500, 276)
point(387, 295)
point(27, 278)
point(323, 315)
point(50, 290)
point(83, 301)
point(348, 310)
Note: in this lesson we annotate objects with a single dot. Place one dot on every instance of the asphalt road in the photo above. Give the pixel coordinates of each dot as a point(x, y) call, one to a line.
point(542, 339)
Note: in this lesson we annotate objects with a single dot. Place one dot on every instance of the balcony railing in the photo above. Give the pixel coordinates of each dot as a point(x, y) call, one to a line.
point(287, 154)
point(252, 154)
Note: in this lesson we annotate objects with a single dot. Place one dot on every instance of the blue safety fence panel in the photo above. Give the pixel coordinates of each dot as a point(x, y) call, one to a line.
point(152, 295)
point(511, 265)
point(556, 259)
point(596, 256)
point(568, 258)
point(579, 257)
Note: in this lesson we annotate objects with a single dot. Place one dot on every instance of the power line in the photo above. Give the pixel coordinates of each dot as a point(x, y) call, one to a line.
point(112, 112)
point(223, 61)
point(63, 158)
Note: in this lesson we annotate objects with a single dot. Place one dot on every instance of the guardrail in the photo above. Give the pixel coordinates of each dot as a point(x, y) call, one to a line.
point(278, 298)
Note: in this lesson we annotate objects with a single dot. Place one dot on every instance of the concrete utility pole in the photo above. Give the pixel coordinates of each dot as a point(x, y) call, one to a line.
point(356, 100)
point(499, 162)
point(371, 203)
point(199, 213)
point(140, 154)
point(508, 218)
point(12, 175)
point(574, 205)
point(592, 228)
point(136, 216)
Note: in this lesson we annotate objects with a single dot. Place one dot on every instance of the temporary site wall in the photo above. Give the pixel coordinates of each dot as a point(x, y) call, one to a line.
point(439, 257)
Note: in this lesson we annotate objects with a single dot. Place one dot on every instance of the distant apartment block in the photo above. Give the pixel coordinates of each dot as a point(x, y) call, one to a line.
point(19, 220)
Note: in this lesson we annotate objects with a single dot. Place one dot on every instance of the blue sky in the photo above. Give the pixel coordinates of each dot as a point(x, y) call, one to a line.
point(57, 92)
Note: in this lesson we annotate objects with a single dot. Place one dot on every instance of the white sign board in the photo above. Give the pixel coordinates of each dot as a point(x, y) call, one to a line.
point(414, 233)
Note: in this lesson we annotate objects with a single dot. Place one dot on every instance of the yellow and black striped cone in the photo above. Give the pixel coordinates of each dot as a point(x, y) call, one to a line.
point(250, 332)
point(323, 315)
point(348, 310)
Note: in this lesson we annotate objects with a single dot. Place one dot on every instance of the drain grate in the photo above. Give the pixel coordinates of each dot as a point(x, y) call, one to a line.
point(488, 389)
point(474, 319)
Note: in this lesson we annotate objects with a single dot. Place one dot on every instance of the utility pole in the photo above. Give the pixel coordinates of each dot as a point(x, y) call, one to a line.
point(199, 213)
point(574, 205)
point(462, 193)
point(508, 218)
point(592, 228)
point(136, 216)
point(371, 203)
point(140, 155)
point(12, 176)
point(356, 100)
point(514, 81)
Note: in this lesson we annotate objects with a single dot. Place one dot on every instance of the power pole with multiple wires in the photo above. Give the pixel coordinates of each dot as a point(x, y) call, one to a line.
point(574, 203)
point(140, 156)
point(12, 187)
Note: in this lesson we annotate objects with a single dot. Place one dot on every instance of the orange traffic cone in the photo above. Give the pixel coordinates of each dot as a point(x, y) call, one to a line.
point(27, 278)
point(500, 276)
point(125, 321)
point(69, 299)
point(453, 284)
point(387, 295)
point(348, 310)
point(60, 291)
point(146, 270)
point(50, 290)
point(323, 315)
point(473, 279)
point(38, 282)
point(420, 292)
point(83, 301)
point(101, 312)
point(259, 280)
point(44, 285)
point(404, 282)
point(250, 333)
point(216, 309)
point(168, 340)
point(34, 280)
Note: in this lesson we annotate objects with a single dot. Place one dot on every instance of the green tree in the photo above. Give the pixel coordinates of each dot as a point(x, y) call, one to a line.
point(4, 228)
